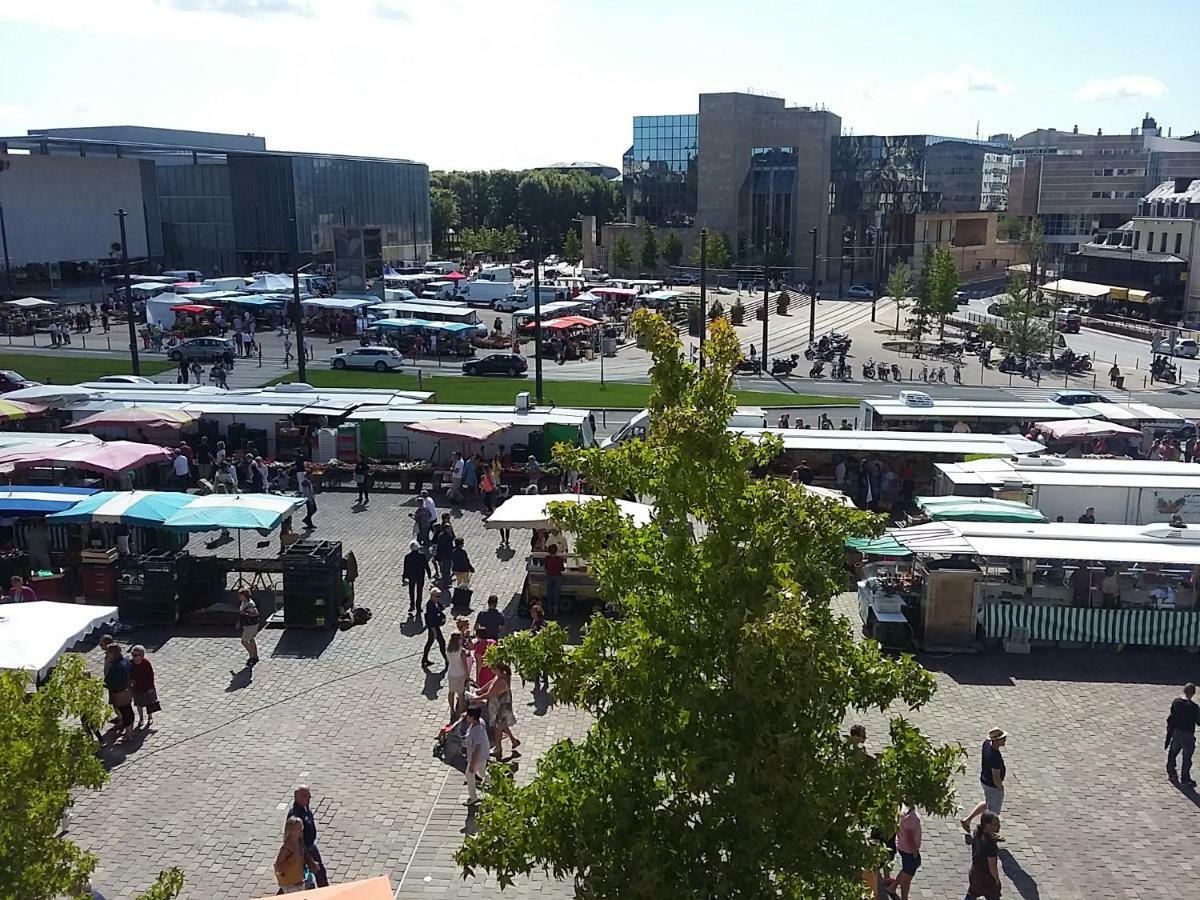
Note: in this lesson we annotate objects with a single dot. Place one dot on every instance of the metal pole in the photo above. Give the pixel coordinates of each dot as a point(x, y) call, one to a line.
point(298, 321)
point(812, 291)
point(874, 271)
point(133, 351)
point(537, 315)
point(766, 315)
point(7, 270)
point(703, 291)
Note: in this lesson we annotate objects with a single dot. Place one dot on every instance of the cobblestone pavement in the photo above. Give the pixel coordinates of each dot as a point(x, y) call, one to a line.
point(1088, 814)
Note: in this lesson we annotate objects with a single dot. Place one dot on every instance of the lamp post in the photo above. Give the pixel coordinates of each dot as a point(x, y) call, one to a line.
point(812, 290)
point(874, 232)
point(135, 363)
point(703, 291)
point(532, 237)
point(298, 322)
point(7, 270)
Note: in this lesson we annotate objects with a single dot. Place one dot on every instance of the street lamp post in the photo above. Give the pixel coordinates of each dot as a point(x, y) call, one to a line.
point(298, 323)
point(135, 363)
point(812, 290)
point(766, 308)
point(703, 291)
point(537, 317)
point(7, 270)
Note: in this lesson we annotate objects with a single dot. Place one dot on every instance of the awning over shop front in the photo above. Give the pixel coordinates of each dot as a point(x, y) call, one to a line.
point(978, 509)
point(461, 429)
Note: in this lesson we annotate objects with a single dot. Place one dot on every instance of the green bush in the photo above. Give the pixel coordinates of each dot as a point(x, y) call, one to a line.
point(737, 313)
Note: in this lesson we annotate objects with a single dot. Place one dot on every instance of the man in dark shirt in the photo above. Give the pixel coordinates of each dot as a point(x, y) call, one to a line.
point(992, 772)
point(435, 618)
point(416, 568)
point(491, 619)
point(1181, 735)
point(1089, 516)
point(300, 809)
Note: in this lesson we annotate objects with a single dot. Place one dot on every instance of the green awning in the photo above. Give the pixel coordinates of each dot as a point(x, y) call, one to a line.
point(978, 509)
point(880, 546)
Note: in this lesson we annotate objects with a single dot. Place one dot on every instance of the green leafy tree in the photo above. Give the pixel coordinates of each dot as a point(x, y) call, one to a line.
point(922, 305)
point(649, 255)
point(778, 254)
point(572, 247)
point(1027, 332)
point(1033, 250)
point(718, 251)
point(167, 886)
point(899, 284)
point(944, 284)
point(717, 764)
point(672, 249)
point(622, 254)
point(444, 214)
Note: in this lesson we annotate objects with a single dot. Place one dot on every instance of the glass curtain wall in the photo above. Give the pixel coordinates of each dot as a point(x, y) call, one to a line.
point(660, 169)
point(772, 196)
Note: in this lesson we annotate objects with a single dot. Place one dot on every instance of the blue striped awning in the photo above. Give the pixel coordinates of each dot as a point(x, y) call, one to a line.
point(1142, 627)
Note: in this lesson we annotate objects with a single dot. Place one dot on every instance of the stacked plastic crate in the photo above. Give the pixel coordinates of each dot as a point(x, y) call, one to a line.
point(312, 583)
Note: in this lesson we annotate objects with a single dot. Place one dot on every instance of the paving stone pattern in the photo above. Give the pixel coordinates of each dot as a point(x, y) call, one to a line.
point(1088, 814)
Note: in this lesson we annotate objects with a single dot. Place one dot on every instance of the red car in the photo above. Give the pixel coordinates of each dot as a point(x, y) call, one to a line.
point(13, 381)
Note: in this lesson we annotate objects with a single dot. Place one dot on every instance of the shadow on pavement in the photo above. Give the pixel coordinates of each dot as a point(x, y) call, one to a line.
point(433, 683)
point(994, 667)
point(303, 643)
point(1021, 880)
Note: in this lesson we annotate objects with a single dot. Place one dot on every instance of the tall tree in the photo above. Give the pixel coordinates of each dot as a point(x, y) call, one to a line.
point(778, 254)
point(672, 249)
point(717, 764)
point(899, 284)
point(44, 756)
point(572, 247)
point(718, 251)
point(943, 285)
point(622, 254)
point(1028, 331)
point(444, 214)
point(1033, 250)
point(649, 254)
point(922, 307)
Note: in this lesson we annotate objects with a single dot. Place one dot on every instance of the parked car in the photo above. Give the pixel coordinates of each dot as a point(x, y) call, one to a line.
point(512, 364)
point(14, 381)
point(1067, 320)
point(381, 359)
point(203, 349)
point(510, 303)
point(686, 278)
point(860, 292)
point(961, 298)
point(124, 379)
point(1074, 398)
point(1186, 348)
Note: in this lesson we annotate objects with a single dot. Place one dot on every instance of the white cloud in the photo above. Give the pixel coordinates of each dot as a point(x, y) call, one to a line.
point(1121, 87)
point(389, 9)
point(957, 82)
point(243, 8)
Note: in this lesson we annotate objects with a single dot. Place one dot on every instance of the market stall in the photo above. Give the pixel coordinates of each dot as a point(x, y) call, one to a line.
point(33, 635)
point(159, 425)
point(977, 509)
point(532, 512)
point(118, 460)
point(1088, 435)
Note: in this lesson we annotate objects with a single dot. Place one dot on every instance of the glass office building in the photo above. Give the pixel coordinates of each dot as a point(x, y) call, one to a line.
point(772, 195)
point(659, 176)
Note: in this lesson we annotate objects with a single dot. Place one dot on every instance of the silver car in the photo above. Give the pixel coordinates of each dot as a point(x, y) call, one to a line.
point(381, 359)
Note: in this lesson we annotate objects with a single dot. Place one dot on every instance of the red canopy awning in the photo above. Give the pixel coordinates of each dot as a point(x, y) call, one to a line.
point(455, 276)
point(571, 322)
point(192, 308)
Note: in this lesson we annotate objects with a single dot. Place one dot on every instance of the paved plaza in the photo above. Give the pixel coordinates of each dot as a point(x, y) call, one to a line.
point(1089, 813)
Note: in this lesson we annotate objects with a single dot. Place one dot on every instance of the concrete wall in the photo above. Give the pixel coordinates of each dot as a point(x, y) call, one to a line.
point(143, 134)
point(60, 208)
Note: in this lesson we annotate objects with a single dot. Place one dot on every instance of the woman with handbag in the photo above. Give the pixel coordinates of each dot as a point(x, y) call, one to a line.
point(145, 697)
point(118, 679)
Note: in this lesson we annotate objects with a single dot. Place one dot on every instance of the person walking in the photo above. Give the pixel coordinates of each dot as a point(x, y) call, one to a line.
point(291, 858)
point(908, 844)
point(413, 573)
point(435, 618)
point(304, 485)
point(443, 545)
point(301, 809)
point(992, 772)
point(553, 565)
point(458, 667)
point(492, 619)
point(118, 678)
point(182, 470)
point(422, 521)
point(487, 487)
point(460, 564)
point(362, 479)
point(1181, 736)
point(145, 696)
point(983, 878)
point(248, 621)
point(478, 748)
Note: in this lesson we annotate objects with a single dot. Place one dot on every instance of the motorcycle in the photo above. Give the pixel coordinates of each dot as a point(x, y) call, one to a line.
point(868, 369)
point(843, 371)
point(1162, 370)
point(817, 370)
point(882, 371)
point(1010, 365)
point(785, 365)
point(747, 367)
point(896, 374)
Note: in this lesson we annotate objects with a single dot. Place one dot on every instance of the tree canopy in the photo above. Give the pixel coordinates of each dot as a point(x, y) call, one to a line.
point(572, 247)
point(649, 254)
point(899, 284)
point(717, 764)
point(718, 251)
point(622, 254)
point(672, 249)
point(44, 755)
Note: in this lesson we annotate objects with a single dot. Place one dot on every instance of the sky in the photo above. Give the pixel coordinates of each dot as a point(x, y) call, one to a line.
point(484, 84)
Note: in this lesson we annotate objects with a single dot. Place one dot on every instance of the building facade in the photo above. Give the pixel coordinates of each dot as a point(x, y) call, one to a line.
point(225, 204)
point(659, 170)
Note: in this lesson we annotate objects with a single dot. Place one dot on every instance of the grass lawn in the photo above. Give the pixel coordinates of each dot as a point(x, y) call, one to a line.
point(50, 367)
point(501, 391)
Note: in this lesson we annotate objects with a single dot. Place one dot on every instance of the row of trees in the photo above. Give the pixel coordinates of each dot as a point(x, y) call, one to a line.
point(538, 200)
point(668, 251)
point(933, 298)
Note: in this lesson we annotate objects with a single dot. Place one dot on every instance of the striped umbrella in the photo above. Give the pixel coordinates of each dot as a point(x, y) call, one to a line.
point(149, 508)
point(34, 500)
point(136, 416)
point(237, 511)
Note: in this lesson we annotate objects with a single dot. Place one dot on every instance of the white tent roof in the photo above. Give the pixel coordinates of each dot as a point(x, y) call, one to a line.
point(948, 443)
point(269, 284)
point(32, 635)
point(30, 303)
point(529, 510)
point(346, 303)
point(1078, 288)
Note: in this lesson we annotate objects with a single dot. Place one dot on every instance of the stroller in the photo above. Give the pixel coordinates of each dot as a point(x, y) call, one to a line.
point(450, 744)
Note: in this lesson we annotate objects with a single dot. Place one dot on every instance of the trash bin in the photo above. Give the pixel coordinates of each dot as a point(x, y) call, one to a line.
point(1119, 382)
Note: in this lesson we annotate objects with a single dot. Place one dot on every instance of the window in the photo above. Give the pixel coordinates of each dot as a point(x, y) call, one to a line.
point(1150, 241)
point(1137, 240)
point(1178, 242)
point(1162, 246)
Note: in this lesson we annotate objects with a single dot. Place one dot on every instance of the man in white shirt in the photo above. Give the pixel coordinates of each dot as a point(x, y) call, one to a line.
point(182, 471)
point(478, 748)
point(456, 476)
point(428, 503)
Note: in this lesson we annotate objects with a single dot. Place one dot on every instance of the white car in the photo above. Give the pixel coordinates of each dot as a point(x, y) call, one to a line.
point(381, 359)
point(510, 304)
point(860, 292)
point(124, 379)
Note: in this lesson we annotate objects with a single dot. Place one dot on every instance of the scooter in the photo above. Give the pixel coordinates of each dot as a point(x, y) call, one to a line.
point(896, 374)
point(881, 370)
point(941, 375)
point(785, 365)
point(868, 369)
point(843, 371)
point(817, 370)
point(747, 367)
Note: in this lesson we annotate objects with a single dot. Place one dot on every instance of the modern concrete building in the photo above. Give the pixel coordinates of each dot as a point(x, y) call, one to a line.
point(589, 168)
point(223, 204)
point(969, 176)
point(1077, 185)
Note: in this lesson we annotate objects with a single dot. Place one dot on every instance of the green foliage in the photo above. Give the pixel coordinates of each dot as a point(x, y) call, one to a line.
point(168, 885)
point(779, 255)
point(716, 311)
point(622, 254)
point(1028, 332)
point(44, 755)
point(649, 255)
point(718, 251)
point(444, 214)
point(1009, 228)
point(672, 249)
point(899, 284)
point(717, 764)
point(491, 241)
point(944, 283)
point(572, 247)
point(1033, 250)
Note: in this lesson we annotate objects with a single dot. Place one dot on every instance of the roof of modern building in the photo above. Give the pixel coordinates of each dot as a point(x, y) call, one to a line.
point(1108, 252)
point(580, 164)
point(1170, 190)
point(213, 140)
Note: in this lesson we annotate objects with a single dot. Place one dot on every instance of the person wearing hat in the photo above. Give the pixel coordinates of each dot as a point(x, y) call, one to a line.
point(416, 568)
point(991, 775)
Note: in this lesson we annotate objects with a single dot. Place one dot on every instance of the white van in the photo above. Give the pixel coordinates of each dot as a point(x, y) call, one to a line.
point(635, 428)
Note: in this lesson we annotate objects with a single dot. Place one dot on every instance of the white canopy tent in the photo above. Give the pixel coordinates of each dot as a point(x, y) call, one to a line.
point(270, 284)
point(347, 304)
point(32, 635)
point(30, 303)
point(531, 510)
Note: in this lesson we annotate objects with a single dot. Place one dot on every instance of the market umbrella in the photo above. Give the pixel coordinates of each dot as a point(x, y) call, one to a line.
point(371, 889)
point(51, 394)
point(827, 494)
point(146, 508)
point(532, 510)
point(1082, 428)
point(33, 500)
point(136, 416)
point(108, 458)
point(460, 429)
point(234, 511)
point(978, 509)
point(30, 302)
point(32, 635)
point(456, 276)
point(880, 546)
point(14, 410)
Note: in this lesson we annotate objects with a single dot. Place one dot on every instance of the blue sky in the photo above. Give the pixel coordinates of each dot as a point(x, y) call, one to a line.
point(514, 83)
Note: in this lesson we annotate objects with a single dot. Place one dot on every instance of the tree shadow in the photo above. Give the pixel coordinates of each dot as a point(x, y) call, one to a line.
point(1021, 880)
